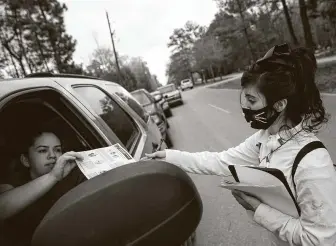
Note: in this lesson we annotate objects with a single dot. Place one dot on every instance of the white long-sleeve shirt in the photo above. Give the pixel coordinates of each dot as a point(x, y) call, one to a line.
point(315, 181)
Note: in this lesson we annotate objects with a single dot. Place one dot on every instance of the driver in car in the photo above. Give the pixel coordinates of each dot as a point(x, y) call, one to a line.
point(30, 192)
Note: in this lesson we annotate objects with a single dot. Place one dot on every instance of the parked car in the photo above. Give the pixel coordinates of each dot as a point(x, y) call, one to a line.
point(171, 94)
point(155, 111)
point(90, 113)
point(186, 84)
point(162, 102)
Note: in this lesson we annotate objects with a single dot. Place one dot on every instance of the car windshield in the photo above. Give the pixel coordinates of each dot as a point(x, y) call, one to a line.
point(142, 98)
point(167, 88)
point(185, 81)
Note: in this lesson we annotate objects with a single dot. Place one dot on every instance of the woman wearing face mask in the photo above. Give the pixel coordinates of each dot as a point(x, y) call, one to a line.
point(280, 98)
point(26, 196)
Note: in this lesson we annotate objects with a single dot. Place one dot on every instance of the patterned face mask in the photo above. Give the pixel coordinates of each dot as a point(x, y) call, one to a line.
point(262, 118)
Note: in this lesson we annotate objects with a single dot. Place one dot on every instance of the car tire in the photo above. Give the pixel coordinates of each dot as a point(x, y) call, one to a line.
point(168, 141)
point(168, 113)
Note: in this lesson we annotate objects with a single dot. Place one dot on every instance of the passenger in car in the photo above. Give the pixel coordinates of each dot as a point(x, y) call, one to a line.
point(280, 99)
point(25, 194)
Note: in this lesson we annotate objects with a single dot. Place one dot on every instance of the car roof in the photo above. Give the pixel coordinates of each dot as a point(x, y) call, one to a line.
point(9, 86)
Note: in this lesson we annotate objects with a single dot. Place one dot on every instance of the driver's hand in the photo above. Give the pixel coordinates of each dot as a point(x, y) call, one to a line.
point(65, 164)
point(156, 155)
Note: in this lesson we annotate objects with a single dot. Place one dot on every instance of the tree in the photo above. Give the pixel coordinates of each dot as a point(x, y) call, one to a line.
point(184, 38)
point(305, 24)
point(210, 54)
point(33, 36)
point(289, 22)
point(240, 7)
point(134, 71)
point(52, 22)
point(141, 72)
point(178, 67)
point(182, 41)
point(327, 10)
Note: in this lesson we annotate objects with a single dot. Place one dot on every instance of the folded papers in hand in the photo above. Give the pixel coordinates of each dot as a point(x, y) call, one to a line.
point(269, 185)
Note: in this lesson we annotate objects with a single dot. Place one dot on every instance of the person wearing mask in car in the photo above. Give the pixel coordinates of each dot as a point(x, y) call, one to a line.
point(279, 97)
point(26, 196)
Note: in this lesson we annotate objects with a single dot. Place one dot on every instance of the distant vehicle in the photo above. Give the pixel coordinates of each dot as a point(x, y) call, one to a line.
point(186, 84)
point(162, 102)
point(171, 94)
point(156, 112)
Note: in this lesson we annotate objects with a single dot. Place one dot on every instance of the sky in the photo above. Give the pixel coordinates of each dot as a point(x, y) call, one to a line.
point(142, 27)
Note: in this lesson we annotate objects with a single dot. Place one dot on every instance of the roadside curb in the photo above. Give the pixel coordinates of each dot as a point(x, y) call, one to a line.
point(213, 86)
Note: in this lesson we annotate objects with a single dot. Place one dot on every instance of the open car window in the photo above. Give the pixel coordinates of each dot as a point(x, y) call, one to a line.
point(45, 108)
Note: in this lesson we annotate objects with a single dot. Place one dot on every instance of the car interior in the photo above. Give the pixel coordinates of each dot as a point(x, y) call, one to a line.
point(23, 112)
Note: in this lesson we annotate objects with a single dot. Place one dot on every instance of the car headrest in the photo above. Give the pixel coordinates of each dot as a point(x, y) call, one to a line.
point(143, 203)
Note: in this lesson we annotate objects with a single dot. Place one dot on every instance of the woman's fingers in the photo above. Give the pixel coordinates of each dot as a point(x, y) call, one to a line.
point(150, 155)
point(75, 155)
point(238, 196)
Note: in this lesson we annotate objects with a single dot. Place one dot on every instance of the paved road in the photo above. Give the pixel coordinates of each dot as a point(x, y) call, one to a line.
point(211, 119)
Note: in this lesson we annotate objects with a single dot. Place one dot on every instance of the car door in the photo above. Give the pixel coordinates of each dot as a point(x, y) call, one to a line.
point(115, 117)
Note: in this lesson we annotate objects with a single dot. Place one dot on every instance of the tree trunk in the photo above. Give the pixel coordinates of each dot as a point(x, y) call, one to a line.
point(289, 22)
point(29, 15)
point(18, 33)
point(245, 29)
point(305, 24)
point(18, 58)
point(212, 71)
point(12, 60)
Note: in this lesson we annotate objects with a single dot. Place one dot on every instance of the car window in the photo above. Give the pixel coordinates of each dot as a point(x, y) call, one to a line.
point(142, 98)
point(113, 115)
point(129, 99)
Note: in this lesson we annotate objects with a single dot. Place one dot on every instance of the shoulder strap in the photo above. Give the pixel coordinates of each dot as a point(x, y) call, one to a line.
point(304, 151)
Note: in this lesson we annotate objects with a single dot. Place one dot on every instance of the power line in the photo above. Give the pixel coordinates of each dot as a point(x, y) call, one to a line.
point(114, 49)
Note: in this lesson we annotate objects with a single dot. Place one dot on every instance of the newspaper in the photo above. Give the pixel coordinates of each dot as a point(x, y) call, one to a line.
point(98, 161)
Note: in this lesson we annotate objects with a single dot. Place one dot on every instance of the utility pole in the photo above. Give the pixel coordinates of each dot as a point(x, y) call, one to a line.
point(114, 50)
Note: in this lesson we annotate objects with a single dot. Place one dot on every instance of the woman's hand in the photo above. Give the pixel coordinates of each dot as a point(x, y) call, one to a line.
point(156, 155)
point(65, 164)
point(248, 202)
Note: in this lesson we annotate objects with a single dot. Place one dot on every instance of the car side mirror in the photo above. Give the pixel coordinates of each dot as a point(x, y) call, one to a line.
point(143, 203)
point(157, 98)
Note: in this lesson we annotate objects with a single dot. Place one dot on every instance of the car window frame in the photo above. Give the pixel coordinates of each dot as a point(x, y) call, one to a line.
point(73, 116)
